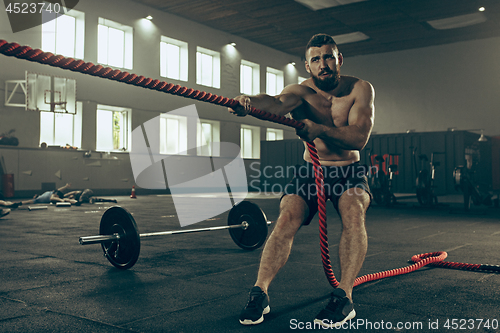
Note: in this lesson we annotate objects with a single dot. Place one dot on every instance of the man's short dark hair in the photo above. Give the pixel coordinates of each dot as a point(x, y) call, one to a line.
point(319, 40)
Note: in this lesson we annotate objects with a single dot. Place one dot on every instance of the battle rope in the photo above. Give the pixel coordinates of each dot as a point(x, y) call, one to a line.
point(47, 58)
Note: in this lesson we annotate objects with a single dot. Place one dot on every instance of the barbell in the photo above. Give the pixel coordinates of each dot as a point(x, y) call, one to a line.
point(121, 242)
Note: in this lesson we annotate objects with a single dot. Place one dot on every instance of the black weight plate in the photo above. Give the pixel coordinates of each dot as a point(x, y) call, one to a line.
point(124, 252)
point(256, 233)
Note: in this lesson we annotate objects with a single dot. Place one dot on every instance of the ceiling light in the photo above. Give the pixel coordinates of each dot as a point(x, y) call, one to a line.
point(149, 17)
point(482, 138)
point(458, 21)
point(322, 4)
point(481, 9)
point(292, 63)
point(350, 38)
point(233, 44)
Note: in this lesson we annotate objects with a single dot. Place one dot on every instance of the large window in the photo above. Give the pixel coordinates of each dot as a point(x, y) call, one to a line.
point(274, 81)
point(173, 134)
point(113, 128)
point(208, 132)
point(250, 141)
point(64, 35)
point(273, 134)
point(173, 59)
point(207, 67)
point(114, 46)
point(249, 78)
point(61, 129)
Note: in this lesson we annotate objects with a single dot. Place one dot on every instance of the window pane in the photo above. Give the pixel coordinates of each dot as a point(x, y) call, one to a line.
point(173, 61)
point(163, 136)
point(65, 35)
point(102, 47)
point(271, 84)
point(206, 137)
point(104, 130)
point(163, 59)
point(49, 36)
point(246, 80)
point(64, 129)
point(206, 69)
point(118, 130)
point(172, 136)
point(271, 136)
point(47, 128)
point(116, 44)
point(246, 142)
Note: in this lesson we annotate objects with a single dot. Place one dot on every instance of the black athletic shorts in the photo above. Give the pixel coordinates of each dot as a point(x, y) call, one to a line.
point(337, 181)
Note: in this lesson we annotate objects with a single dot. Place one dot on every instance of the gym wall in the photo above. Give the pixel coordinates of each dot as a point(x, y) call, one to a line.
point(454, 146)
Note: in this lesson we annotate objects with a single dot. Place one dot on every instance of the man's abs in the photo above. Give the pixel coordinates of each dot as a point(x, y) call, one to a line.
point(329, 158)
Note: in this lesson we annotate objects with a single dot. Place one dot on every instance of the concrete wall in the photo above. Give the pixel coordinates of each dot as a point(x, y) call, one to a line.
point(434, 88)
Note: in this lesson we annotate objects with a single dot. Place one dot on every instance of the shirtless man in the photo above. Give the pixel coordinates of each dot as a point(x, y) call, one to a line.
point(338, 114)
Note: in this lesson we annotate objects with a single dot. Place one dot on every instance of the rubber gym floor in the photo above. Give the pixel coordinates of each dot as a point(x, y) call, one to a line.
point(199, 282)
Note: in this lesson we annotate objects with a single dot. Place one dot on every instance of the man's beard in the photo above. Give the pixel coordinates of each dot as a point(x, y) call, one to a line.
point(329, 83)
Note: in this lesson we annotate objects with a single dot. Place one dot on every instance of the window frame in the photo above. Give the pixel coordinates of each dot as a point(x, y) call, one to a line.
point(215, 137)
point(215, 67)
point(76, 127)
point(182, 139)
point(255, 89)
point(79, 36)
point(127, 122)
point(280, 82)
point(276, 131)
point(128, 41)
point(183, 58)
point(255, 141)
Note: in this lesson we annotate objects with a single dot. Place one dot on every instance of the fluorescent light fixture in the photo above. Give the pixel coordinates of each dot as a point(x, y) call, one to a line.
point(149, 17)
point(350, 38)
point(322, 4)
point(458, 21)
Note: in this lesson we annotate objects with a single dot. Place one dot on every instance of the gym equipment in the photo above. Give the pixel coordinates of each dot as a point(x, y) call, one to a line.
point(463, 178)
point(378, 179)
point(47, 58)
point(120, 239)
point(424, 181)
point(380, 182)
point(93, 200)
point(30, 208)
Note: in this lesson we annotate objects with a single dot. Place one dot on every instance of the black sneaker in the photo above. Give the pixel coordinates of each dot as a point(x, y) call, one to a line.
point(339, 310)
point(256, 308)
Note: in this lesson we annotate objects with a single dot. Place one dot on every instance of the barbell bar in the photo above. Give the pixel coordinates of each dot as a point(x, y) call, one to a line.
point(116, 236)
point(120, 239)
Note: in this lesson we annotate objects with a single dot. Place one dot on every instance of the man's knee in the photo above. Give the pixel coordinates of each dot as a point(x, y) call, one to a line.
point(353, 205)
point(293, 211)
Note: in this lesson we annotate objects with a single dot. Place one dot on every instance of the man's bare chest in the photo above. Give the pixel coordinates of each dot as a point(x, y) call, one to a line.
point(332, 109)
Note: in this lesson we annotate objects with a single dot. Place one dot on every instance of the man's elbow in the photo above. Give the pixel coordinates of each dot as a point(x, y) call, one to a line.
point(360, 143)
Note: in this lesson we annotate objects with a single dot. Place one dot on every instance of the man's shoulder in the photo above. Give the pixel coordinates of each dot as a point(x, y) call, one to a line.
point(351, 85)
point(301, 89)
point(353, 81)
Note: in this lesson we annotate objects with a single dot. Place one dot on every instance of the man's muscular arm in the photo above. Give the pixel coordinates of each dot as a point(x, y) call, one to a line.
point(282, 104)
point(355, 135)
